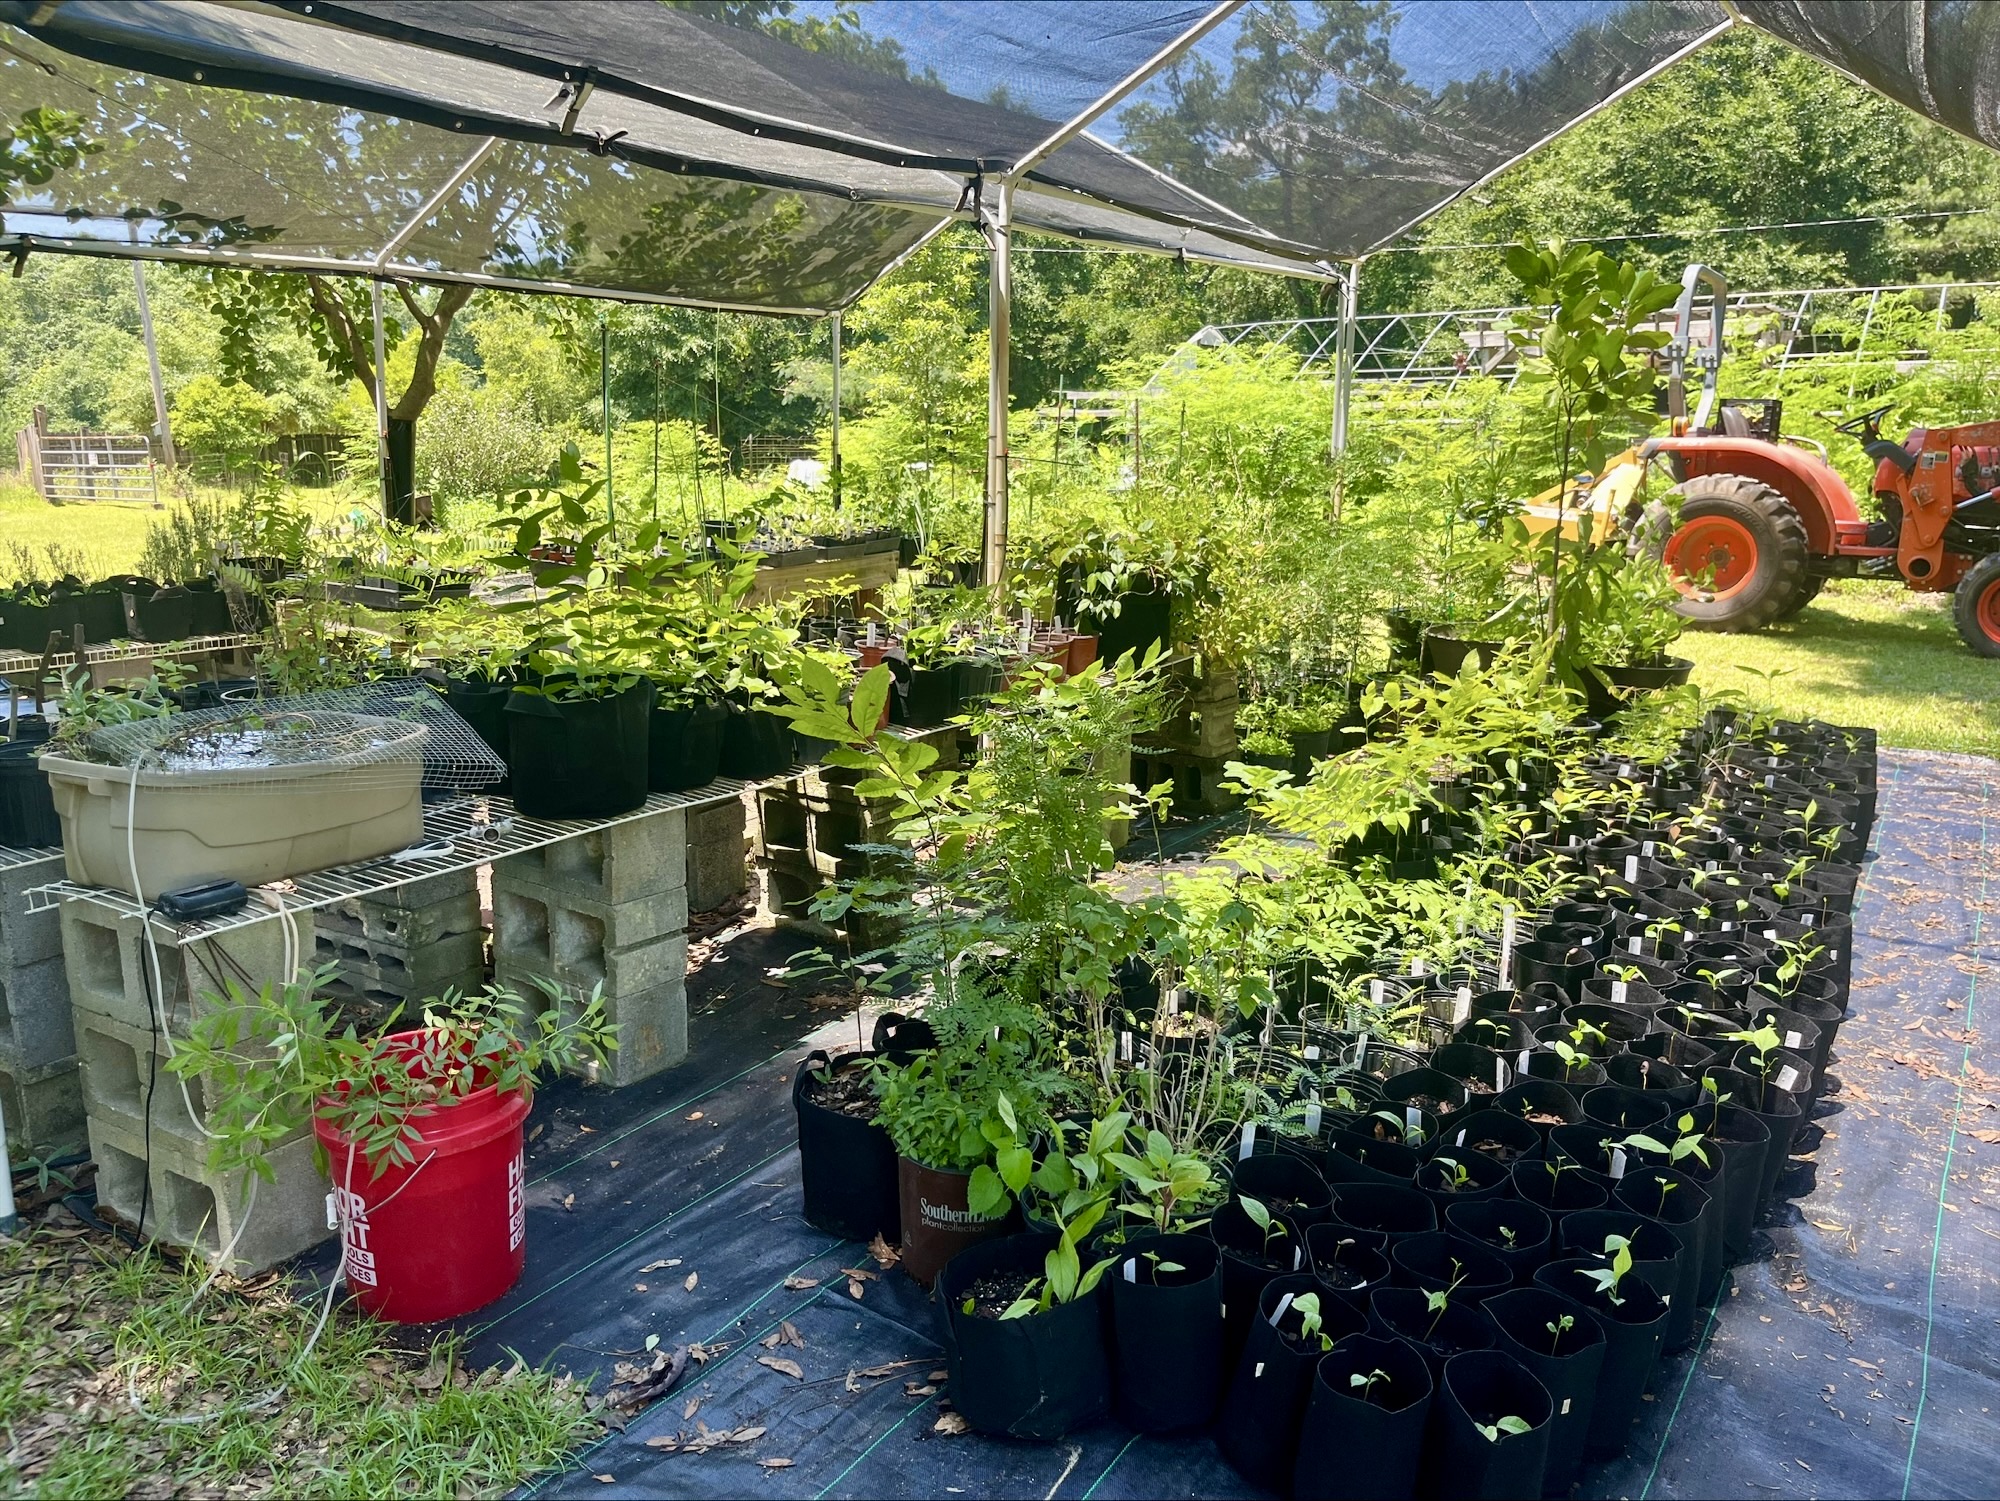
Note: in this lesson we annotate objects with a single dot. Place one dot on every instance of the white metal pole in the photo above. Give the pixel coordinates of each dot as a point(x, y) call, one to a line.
point(1343, 360)
point(381, 399)
point(9, 1220)
point(836, 409)
point(153, 366)
point(1000, 302)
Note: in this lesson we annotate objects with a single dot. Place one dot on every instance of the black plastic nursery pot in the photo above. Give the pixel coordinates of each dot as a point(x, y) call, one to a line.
point(1360, 1443)
point(1454, 1176)
point(937, 1222)
point(1166, 1332)
point(1036, 1377)
point(685, 749)
point(1258, 1427)
point(1541, 1104)
point(158, 614)
point(1505, 1137)
point(1517, 1232)
point(1479, 1389)
point(210, 613)
point(27, 803)
point(1436, 1334)
point(483, 705)
point(1632, 1332)
point(847, 1164)
point(1343, 1267)
point(1659, 1253)
point(579, 758)
point(1779, 1114)
point(1745, 1142)
point(1567, 1361)
point(755, 744)
point(1145, 617)
point(1358, 1157)
point(926, 697)
point(1447, 655)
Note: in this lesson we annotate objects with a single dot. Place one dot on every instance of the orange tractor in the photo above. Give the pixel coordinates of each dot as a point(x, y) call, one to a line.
point(1761, 521)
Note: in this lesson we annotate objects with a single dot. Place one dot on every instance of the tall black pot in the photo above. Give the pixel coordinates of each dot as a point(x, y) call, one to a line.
point(1166, 1332)
point(1691, 1212)
point(483, 705)
point(847, 1164)
point(1631, 1348)
point(1568, 1362)
point(755, 744)
point(1258, 1428)
point(1479, 1222)
point(1356, 1446)
point(685, 746)
point(1036, 1377)
point(27, 802)
point(1481, 1387)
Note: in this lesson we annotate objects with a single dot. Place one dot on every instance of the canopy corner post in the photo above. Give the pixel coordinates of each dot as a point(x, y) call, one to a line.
point(834, 453)
point(160, 417)
point(382, 463)
point(1343, 362)
point(996, 219)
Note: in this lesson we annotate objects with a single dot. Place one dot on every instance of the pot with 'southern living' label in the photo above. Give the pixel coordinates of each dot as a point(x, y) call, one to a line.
point(938, 1222)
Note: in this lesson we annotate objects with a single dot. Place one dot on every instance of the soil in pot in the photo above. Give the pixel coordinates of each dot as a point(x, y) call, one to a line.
point(1453, 1175)
point(937, 1222)
point(1166, 1332)
point(1360, 1442)
point(847, 1165)
point(1631, 1348)
point(1507, 1139)
point(579, 758)
point(1343, 1267)
point(685, 747)
point(1035, 1377)
point(1517, 1232)
point(1538, 1102)
point(1494, 1422)
point(1258, 1428)
point(1568, 1359)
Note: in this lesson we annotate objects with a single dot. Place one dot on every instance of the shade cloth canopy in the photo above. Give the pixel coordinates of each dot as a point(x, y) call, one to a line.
point(782, 155)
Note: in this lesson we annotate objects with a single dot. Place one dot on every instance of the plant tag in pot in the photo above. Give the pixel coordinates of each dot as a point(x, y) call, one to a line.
point(1506, 945)
point(1375, 993)
point(1249, 1142)
point(1461, 1006)
point(1311, 1053)
point(1633, 943)
point(1461, 1140)
point(1619, 991)
point(1312, 1116)
point(1770, 935)
point(1631, 867)
point(1617, 1163)
point(1298, 1255)
point(1410, 1117)
point(1131, 1269)
point(1792, 1041)
point(1278, 1313)
point(1788, 1078)
point(1361, 1053)
point(1417, 966)
point(1502, 1075)
point(1521, 1063)
point(1124, 1047)
point(1711, 865)
point(1646, 848)
point(1729, 927)
point(1566, 1402)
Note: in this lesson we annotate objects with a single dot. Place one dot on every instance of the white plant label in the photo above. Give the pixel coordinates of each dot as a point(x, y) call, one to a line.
point(1521, 1063)
point(1632, 945)
point(1311, 1054)
point(1618, 992)
point(1631, 867)
point(1711, 866)
point(1617, 1164)
point(1298, 1255)
point(1770, 935)
point(1566, 1402)
point(1375, 992)
point(1131, 1269)
point(1646, 848)
point(1506, 946)
point(1792, 1040)
point(1461, 1006)
point(1461, 1140)
point(1788, 1077)
point(1249, 1142)
point(1417, 967)
point(1312, 1117)
point(871, 633)
point(1278, 1313)
point(1410, 1118)
point(1258, 1374)
point(1729, 927)
point(1124, 1047)
point(1361, 1053)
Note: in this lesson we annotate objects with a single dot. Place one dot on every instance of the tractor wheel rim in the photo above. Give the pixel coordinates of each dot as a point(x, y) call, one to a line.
point(1712, 545)
point(1987, 610)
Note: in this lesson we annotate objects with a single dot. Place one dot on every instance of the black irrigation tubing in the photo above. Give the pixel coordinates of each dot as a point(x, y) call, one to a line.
point(583, 1455)
point(635, 1236)
point(662, 1113)
point(1951, 1142)
point(1708, 1329)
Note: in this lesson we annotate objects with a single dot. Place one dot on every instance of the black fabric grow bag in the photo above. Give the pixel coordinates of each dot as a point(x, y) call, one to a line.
point(684, 746)
point(581, 758)
point(1569, 1365)
point(1166, 1332)
point(158, 614)
point(755, 745)
point(1631, 1348)
point(1258, 1428)
point(847, 1165)
point(483, 705)
point(1036, 1377)
point(27, 803)
point(1483, 1386)
point(1355, 1450)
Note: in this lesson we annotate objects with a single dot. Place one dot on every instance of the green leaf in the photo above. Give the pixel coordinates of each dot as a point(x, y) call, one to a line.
point(986, 1194)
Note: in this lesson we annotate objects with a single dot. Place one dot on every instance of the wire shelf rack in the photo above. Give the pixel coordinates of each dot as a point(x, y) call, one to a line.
point(14, 859)
point(464, 832)
point(15, 662)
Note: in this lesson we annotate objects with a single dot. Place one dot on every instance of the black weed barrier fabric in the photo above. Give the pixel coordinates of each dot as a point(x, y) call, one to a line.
point(1851, 1355)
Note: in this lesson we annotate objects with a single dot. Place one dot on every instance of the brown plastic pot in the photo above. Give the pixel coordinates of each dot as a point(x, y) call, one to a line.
point(937, 1221)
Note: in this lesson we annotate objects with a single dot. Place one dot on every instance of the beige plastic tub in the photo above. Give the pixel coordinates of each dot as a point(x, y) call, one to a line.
point(249, 824)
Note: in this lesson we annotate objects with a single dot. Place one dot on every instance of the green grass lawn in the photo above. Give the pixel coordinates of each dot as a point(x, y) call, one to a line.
point(1866, 654)
point(108, 536)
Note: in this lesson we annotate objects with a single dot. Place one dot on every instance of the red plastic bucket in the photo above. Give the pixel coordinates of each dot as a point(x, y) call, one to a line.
point(446, 1233)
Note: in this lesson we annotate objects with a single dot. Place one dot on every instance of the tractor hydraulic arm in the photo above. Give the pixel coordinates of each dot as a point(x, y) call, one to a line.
point(1928, 501)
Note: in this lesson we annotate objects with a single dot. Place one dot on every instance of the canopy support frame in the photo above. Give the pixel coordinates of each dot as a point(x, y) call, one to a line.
point(996, 220)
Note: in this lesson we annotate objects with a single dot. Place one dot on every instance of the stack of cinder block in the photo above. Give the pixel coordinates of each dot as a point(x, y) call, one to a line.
point(41, 1091)
point(406, 945)
point(146, 1126)
point(1196, 743)
point(808, 836)
point(609, 909)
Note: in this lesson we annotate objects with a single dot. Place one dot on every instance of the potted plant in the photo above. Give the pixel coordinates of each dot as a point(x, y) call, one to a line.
point(1362, 1434)
point(1495, 1421)
point(1258, 1427)
point(1564, 1348)
point(1632, 1317)
point(419, 1129)
point(474, 653)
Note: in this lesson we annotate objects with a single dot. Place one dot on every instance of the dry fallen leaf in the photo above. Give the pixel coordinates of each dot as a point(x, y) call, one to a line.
point(885, 1254)
point(692, 1278)
point(789, 1368)
point(569, 1202)
point(800, 1284)
point(694, 1115)
point(853, 1287)
point(775, 1464)
point(791, 1336)
point(693, 1404)
point(949, 1423)
point(605, 1479)
point(664, 1441)
point(940, 1375)
point(638, 1287)
point(614, 1162)
point(746, 1435)
point(659, 1266)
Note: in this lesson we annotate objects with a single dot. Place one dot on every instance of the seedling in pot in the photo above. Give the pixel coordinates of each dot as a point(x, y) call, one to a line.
point(1767, 1042)
point(1572, 1060)
point(1798, 956)
point(1395, 1127)
point(1368, 1382)
point(1272, 1227)
point(1158, 1266)
point(1509, 1424)
point(1509, 1237)
point(1311, 1325)
point(1607, 1278)
point(1583, 1033)
point(1557, 1329)
point(1168, 1183)
point(1438, 1302)
point(1459, 1180)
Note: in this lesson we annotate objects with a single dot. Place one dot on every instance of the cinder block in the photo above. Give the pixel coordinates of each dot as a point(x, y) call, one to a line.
point(109, 973)
point(413, 896)
point(640, 857)
point(28, 937)
point(43, 1108)
point(408, 971)
point(577, 962)
point(405, 927)
point(538, 922)
point(126, 1078)
point(652, 1030)
point(377, 1002)
point(188, 1204)
point(35, 1027)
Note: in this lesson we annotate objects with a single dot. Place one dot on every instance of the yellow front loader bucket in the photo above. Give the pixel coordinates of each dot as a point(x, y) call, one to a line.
point(1603, 499)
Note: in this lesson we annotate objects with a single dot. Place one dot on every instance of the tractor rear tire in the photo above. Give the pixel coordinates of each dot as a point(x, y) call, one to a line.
point(1750, 542)
point(1808, 592)
point(1976, 606)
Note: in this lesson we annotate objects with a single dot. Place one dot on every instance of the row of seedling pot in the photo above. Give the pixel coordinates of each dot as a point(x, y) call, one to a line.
point(1457, 1270)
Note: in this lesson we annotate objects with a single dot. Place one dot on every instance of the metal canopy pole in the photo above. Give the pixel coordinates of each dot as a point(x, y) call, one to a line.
point(382, 401)
point(153, 367)
point(997, 221)
point(836, 409)
point(1343, 360)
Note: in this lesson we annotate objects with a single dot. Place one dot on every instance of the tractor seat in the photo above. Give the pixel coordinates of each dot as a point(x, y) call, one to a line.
point(1735, 424)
